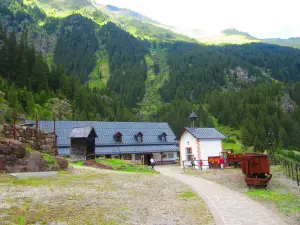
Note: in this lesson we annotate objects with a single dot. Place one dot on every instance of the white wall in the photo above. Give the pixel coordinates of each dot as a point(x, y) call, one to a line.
point(157, 156)
point(187, 141)
point(210, 147)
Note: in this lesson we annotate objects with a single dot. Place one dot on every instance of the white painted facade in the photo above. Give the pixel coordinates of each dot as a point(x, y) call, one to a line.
point(201, 148)
point(210, 147)
point(169, 156)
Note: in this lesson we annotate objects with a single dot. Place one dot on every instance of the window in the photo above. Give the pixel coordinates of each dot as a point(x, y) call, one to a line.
point(163, 137)
point(138, 156)
point(140, 138)
point(118, 137)
point(127, 157)
point(189, 153)
point(169, 155)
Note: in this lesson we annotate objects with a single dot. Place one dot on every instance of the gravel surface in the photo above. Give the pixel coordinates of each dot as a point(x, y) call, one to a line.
point(234, 179)
point(100, 197)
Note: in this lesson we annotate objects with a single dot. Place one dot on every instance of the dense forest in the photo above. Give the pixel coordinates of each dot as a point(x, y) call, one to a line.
point(31, 86)
point(127, 64)
point(47, 62)
point(76, 58)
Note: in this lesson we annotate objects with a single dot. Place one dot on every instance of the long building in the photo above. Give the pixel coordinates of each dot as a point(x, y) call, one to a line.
point(135, 141)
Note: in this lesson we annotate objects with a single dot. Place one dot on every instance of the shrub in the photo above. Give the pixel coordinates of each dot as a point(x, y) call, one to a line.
point(229, 140)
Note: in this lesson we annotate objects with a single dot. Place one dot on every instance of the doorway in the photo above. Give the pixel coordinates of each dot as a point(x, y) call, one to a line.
point(147, 158)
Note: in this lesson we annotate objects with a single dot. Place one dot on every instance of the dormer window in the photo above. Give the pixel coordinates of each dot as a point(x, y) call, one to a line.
point(140, 137)
point(163, 137)
point(118, 137)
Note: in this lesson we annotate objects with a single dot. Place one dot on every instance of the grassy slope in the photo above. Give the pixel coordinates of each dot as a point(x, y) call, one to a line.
point(152, 100)
point(231, 133)
point(227, 39)
point(102, 66)
point(125, 166)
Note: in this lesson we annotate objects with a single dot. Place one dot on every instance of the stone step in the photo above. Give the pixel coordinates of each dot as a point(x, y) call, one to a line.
point(33, 174)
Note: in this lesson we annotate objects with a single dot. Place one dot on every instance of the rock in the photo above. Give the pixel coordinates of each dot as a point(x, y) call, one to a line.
point(36, 162)
point(8, 147)
point(62, 163)
point(9, 169)
point(5, 149)
point(18, 151)
point(54, 167)
point(2, 166)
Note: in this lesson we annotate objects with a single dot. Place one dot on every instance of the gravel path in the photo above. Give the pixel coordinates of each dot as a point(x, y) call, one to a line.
point(227, 206)
point(92, 196)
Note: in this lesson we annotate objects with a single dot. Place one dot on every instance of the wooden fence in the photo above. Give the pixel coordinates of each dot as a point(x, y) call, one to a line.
point(292, 169)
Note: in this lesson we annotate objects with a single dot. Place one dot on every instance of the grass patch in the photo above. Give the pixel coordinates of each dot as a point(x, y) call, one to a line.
point(50, 160)
point(188, 194)
point(79, 163)
point(125, 166)
point(29, 150)
point(61, 179)
point(287, 203)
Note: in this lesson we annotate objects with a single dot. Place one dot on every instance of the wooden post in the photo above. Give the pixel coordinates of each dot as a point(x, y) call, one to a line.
point(55, 140)
point(297, 173)
point(292, 170)
point(14, 129)
point(36, 131)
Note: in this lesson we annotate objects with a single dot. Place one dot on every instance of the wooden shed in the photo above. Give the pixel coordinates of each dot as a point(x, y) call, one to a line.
point(82, 145)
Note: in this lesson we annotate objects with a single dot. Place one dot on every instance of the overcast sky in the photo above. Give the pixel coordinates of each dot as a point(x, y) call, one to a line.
point(260, 18)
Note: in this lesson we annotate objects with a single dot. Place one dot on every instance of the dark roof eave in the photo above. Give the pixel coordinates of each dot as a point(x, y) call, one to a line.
point(121, 145)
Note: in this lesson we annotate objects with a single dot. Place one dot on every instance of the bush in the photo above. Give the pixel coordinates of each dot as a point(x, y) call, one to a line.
point(229, 140)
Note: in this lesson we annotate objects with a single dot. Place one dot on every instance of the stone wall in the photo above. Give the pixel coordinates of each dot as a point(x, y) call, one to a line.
point(43, 142)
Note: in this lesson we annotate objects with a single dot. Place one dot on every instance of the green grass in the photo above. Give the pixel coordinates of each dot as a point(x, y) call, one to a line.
point(28, 149)
point(50, 160)
point(290, 155)
point(61, 179)
point(189, 194)
point(79, 163)
point(102, 66)
point(287, 203)
point(231, 133)
point(152, 102)
point(125, 166)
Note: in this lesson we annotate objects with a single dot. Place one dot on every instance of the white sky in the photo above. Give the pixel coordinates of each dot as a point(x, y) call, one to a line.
point(260, 18)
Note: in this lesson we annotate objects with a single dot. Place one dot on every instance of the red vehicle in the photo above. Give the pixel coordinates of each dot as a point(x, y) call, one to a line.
point(214, 162)
point(256, 168)
point(234, 159)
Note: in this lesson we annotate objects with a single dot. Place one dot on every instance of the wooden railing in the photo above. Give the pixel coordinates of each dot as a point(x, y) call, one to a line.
point(291, 168)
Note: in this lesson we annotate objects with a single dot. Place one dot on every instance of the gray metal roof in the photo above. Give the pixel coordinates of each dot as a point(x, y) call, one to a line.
point(193, 115)
point(205, 133)
point(117, 150)
point(82, 132)
point(106, 131)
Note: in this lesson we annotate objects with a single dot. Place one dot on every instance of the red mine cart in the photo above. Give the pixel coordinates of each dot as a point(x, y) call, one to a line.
point(256, 168)
point(234, 159)
point(214, 162)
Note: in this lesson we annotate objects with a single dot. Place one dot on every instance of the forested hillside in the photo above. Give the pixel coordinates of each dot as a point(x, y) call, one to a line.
point(82, 66)
point(30, 86)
